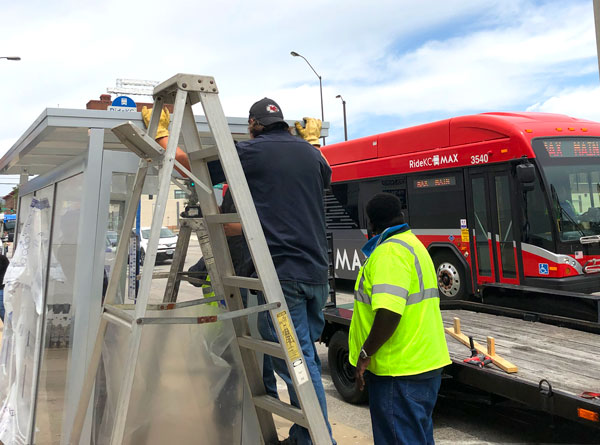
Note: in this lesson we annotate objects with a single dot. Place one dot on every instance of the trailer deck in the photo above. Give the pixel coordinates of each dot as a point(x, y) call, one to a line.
point(555, 363)
point(564, 360)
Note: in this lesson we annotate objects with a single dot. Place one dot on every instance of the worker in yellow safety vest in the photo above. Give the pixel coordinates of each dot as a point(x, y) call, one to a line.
point(397, 340)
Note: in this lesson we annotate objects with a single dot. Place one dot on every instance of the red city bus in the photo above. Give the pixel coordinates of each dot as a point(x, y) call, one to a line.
point(503, 201)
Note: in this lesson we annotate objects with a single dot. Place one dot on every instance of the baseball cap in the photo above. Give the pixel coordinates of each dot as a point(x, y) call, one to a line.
point(266, 112)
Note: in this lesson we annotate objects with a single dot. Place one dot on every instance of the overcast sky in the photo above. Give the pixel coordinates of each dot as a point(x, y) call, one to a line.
point(397, 63)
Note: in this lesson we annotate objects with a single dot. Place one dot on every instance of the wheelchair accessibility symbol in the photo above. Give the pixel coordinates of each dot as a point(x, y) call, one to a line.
point(543, 268)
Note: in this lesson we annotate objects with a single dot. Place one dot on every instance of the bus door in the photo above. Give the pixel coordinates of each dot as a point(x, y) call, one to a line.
point(493, 224)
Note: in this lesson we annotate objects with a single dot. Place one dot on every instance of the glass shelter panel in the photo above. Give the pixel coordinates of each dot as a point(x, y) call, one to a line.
point(25, 281)
point(59, 312)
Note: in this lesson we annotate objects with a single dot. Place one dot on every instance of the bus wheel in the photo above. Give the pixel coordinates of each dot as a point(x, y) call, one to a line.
point(342, 372)
point(142, 257)
point(450, 275)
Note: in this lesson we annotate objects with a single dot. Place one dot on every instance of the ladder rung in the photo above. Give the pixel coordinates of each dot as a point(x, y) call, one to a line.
point(138, 141)
point(205, 154)
point(208, 318)
point(266, 347)
point(119, 312)
point(222, 218)
point(243, 282)
point(285, 410)
point(116, 320)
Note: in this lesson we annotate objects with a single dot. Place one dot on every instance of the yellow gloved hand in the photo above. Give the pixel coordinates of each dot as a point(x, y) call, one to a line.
point(311, 130)
point(163, 123)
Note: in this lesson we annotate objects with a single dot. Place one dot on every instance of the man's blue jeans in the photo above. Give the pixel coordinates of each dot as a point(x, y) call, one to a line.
point(305, 302)
point(2, 304)
point(401, 409)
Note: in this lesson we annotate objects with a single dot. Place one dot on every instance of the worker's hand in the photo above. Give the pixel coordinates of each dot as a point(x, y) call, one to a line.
point(311, 130)
point(163, 123)
point(359, 374)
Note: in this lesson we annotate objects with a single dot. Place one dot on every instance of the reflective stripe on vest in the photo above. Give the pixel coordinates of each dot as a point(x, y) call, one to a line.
point(423, 294)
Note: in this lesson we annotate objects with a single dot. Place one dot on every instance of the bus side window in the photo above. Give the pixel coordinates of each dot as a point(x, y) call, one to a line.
point(437, 201)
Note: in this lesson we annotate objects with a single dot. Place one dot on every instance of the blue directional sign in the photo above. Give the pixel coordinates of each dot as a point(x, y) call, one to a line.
point(123, 103)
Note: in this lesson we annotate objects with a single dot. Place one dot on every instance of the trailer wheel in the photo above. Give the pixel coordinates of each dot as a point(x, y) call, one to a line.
point(452, 282)
point(342, 372)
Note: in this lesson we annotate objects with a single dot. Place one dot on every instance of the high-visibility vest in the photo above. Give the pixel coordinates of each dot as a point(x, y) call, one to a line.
point(400, 276)
point(208, 292)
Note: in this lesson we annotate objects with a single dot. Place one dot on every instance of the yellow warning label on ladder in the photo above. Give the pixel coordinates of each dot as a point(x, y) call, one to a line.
point(288, 337)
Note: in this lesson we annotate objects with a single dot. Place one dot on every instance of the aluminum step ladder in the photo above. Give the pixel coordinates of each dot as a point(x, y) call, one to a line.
point(183, 91)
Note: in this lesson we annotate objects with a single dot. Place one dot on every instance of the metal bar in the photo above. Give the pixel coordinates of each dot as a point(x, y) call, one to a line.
point(88, 385)
point(146, 281)
point(276, 406)
point(222, 218)
point(118, 312)
point(170, 306)
point(207, 154)
point(116, 320)
point(172, 288)
point(266, 347)
point(190, 175)
point(210, 318)
point(243, 282)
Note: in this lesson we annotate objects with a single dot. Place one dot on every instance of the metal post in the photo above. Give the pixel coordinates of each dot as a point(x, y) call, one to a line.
point(597, 26)
point(339, 96)
point(295, 54)
point(322, 114)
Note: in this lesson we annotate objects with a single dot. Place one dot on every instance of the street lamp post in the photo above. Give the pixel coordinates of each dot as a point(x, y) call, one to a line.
point(295, 54)
point(11, 58)
point(339, 96)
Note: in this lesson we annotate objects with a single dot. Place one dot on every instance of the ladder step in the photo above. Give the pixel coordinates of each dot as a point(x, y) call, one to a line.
point(243, 282)
point(206, 154)
point(222, 218)
point(117, 321)
point(285, 410)
point(138, 141)
point(266, 347)
point(209, 318)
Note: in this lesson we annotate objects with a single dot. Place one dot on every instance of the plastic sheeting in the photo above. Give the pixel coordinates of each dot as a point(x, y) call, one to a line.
point(188, 385)
point(24, 300)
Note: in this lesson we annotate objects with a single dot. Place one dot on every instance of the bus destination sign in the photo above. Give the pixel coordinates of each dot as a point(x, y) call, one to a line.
point(440, 181)
point(572, 148)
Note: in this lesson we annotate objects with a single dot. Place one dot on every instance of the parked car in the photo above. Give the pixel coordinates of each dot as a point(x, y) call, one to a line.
point(113, 237)
point(166, 244)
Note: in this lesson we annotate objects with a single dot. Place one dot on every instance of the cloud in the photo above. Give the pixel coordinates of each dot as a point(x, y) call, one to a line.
point(579, 102)
point(393, 61)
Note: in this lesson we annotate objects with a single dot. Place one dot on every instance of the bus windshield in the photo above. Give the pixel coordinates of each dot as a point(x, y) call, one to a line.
point(572, 170)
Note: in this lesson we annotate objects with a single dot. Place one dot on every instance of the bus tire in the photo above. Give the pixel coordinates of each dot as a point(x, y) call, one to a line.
point(142, 257)
point(452, 280)
point(342, 372)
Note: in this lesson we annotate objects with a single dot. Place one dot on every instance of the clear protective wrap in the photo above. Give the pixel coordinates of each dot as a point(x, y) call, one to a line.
point(24, 290)
point(188, 385)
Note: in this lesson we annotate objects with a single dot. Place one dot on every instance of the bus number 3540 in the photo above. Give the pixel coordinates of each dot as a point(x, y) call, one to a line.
point(479, 159)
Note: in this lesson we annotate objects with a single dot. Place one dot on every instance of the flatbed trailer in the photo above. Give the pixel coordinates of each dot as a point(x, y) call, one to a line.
point(557, 358)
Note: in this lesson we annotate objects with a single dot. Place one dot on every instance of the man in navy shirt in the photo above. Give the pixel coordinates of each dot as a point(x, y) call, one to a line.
point(287, 177)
